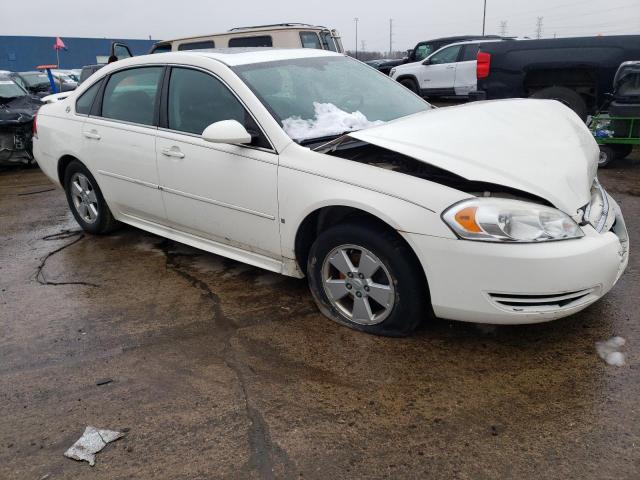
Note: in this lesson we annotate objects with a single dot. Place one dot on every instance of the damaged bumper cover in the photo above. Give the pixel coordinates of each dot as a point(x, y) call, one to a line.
point(16, 125)
point(522, 283)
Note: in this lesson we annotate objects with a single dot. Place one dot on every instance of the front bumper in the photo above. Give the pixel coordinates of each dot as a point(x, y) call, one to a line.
point(521, 283)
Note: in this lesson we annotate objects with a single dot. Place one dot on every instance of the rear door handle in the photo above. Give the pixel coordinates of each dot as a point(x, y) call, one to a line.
point(451, 67)
point(93, 134)
point(173, 152)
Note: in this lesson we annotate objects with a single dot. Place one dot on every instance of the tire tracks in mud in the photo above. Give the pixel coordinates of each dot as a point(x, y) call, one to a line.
point(265, 455)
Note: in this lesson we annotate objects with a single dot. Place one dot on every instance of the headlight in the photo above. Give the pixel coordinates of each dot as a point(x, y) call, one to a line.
point(503, 220)
point(597, 211)
point(392, 72)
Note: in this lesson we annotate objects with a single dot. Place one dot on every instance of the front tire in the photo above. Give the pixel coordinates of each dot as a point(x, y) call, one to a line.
point(367, 279)
point(410, 84)
point(86, 201)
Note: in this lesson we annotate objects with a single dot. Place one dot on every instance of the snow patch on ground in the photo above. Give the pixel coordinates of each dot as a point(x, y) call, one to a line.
point(329, 120)
point(609, 351)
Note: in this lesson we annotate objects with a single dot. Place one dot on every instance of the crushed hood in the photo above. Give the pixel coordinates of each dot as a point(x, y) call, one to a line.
point(18, 110)
point(536, 146)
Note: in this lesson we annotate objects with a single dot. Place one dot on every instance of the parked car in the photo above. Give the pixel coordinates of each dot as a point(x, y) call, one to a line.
point(309, 163)
point(425, 48)
point(17, 110)
point(281, 35)
point(37, 83)
point(575, 71)
point(448, 72)
point(63, 81)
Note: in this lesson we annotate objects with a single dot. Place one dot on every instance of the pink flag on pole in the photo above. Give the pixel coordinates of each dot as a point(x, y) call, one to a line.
point(59, 44)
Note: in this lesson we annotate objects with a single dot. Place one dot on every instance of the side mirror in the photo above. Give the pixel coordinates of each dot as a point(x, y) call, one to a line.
point(426, 62)
point(410, 54)
point(226, 131)
point(120, 51)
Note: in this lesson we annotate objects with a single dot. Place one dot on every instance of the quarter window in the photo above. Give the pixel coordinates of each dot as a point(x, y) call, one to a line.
point(260, 41)
point(197, 99)
point(83, 104)
point(197, 45)
point(470, 53)
point(448, 55)
point(310, 40)
point(130, 95)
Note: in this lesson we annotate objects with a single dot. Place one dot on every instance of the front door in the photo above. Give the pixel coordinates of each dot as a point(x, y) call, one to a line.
point(439, 71)
point(222, 192)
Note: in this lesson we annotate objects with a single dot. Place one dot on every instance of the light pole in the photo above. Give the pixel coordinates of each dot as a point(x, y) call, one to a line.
point(484, 16)
point(356, 20)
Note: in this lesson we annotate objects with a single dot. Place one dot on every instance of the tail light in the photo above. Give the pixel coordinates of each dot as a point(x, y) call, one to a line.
point(484, 65)
point(34, 127)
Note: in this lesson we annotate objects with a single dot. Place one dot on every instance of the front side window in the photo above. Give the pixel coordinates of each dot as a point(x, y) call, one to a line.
point(328, 41)
point(197, 99)
point(130, 95)
point(197, 45)
point(310, 40)
point(161, 48)
point(260, 41)
point(324, 96)
point(83, 104)
point(448, 55)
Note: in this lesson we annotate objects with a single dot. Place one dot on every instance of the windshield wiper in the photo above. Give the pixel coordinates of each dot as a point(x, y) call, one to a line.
point(325, 139)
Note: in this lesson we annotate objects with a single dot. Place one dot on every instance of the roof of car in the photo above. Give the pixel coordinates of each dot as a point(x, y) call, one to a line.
point(245, 56)
point(251, 29)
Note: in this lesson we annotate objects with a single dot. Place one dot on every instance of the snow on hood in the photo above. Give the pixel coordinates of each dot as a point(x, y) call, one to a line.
point(329, 120)
point(536, 146)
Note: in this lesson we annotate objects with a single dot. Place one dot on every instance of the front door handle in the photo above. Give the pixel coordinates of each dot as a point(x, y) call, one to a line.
point(93, 134)
point(173, 152)
point(451, 67)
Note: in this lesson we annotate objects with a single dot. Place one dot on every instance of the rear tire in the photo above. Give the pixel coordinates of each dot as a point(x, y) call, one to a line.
point(387, 295)
point(568, 97)
point(411, 85)
point(622, 151)
point(86, 201)
point(607, 155)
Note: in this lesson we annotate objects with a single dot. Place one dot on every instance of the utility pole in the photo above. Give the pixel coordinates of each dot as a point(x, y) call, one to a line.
point(503, 28)
point(390, 37)
point(484, 17)
point(356, 20)
point(539, 28)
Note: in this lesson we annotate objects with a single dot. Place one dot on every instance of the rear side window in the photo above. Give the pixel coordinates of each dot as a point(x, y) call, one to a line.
point(197, 99)
point(310, 40)
point(260, 41)
point(470, 53)
point(130, 95)
point(83, 104)
point(197, 45)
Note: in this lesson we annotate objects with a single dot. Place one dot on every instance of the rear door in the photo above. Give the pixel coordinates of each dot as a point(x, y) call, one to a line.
point(119, 142)
point(466, 79)
point(438, 74)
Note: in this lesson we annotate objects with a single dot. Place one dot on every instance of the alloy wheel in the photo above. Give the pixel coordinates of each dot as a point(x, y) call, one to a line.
point(84, 198)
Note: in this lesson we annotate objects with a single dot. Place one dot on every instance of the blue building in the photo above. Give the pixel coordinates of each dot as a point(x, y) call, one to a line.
point(21, 53)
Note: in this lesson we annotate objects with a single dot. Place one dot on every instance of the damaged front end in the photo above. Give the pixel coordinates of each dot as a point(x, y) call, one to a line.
point(16, 129)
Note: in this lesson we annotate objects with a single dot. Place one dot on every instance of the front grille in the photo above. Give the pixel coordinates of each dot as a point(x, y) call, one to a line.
point(540, 303)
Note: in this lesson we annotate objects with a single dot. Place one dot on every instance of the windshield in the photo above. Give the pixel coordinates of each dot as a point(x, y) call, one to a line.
point(35, 79)
point(10, 89)
point(327, 96)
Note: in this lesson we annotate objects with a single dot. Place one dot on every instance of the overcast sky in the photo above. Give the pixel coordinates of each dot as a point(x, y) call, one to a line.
point(413, 20)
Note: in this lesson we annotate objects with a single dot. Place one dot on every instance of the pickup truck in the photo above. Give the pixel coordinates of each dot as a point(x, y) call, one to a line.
point(575, 71)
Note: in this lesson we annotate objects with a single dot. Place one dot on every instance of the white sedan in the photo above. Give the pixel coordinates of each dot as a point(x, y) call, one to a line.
point(309, 163)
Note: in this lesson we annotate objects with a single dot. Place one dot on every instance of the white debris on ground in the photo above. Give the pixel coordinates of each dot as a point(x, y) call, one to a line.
point(609, 351)
point(329, 120)
point(91, 442)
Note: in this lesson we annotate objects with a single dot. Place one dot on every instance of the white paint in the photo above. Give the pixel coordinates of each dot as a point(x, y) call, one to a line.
point(328, 120)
